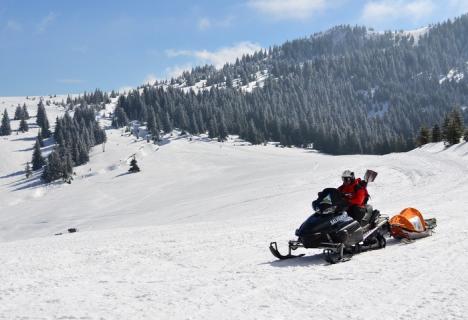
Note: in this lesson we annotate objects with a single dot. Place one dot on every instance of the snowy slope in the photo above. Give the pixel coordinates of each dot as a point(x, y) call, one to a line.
point(187, 238)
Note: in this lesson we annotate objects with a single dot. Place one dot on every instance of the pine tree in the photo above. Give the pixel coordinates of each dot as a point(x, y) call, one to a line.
point(167, 123)
point(40, 139)
point(54, 168)
point(424, 136)
point(5, 129)
point(213, 128)
point(18, 113)
point(222, 130)
point(465, 136)
point(23, 126)
point(67, 163)
point(436, 135)
point(83, 153)
point(453, 128)
point(120, 118)
point(37, 159)
point(25, 112)
point(42, 120)
point(133, 166)
point(151, 125)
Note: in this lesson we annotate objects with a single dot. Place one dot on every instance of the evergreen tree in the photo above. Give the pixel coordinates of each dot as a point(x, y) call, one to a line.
point(25, 112)
point(54, 168)
point(436, 135)
point(133, 166)
point(18, 113)
point(465, 136)
point(5, 129)
point(37, 159)
point(213, 128)
point(167, 123)
point(222, 130)
point(453, 128)
point(23, 126)
point(67, 163)
point(424, 136)
point(42, 120)
point(40, 139)
point(120, 118)
point(151, 125)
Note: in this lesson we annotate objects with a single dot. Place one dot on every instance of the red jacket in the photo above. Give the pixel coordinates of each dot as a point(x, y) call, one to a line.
point(355, 193)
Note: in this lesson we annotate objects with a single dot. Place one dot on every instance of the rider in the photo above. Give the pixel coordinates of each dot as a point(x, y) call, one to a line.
point(355, 193)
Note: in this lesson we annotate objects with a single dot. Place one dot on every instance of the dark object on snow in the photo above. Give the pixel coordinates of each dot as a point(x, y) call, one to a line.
point(70, 230)
point(133, 166)
point(330, 228)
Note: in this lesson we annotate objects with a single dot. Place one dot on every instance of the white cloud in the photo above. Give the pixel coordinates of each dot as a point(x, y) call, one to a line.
point(13, 25)
point(204, 24)
point(45, 22)
point(289, 9)
point(175, 71)
point(150, 79)
point(383, 11)
point(171, 53)
point(125, 89)
point(219, 57)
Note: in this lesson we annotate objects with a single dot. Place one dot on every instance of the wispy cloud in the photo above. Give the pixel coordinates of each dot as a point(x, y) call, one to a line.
point(204, 23)
point(219, 57)
point(13, 25)
point(69, 81)
point(289, 9)
point(207, 23)
point(45, 22)
point(386, 11)
point(150, 79)
point(177, 70)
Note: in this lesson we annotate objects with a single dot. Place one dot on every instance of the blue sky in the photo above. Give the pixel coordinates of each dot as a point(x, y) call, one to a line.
point(59, 47)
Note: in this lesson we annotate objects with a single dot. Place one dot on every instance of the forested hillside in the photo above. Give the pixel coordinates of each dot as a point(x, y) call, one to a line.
point(347, 90)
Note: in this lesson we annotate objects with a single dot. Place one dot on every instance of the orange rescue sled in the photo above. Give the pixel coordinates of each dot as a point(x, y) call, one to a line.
point(410, 224)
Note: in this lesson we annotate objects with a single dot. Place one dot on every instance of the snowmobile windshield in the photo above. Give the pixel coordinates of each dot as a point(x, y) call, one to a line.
point(329, 210)
point(330, 200)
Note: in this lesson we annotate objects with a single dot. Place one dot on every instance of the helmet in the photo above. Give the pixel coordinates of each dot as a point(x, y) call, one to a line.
point(347, 174)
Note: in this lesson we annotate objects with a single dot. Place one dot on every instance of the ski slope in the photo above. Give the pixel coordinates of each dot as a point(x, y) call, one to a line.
point(187, 238)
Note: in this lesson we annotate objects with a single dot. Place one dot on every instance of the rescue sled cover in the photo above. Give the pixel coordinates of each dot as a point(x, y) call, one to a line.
point(410, 224)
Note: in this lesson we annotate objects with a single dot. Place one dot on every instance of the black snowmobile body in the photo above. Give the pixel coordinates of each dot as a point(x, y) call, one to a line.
point(330, 228)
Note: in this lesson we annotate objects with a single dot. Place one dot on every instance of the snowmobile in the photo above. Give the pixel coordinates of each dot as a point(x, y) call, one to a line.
point(330, 228)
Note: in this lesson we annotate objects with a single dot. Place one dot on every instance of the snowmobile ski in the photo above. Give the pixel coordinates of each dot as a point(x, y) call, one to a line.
point(277, 254)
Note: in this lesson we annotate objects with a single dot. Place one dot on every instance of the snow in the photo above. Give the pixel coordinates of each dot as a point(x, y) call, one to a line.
point(452, 75)
point(187, 238)
point(415, 33)
point(378, 110)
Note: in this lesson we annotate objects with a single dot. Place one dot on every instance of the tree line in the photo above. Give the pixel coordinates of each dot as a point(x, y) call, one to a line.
point(347, 90)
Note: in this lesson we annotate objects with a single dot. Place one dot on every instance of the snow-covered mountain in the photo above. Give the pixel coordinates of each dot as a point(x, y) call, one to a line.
point(188, 236)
